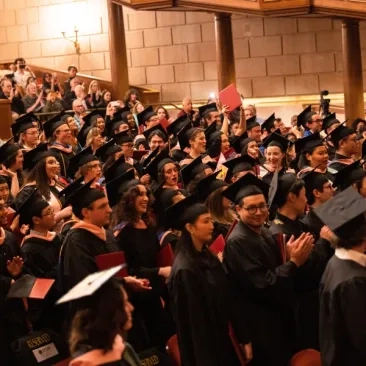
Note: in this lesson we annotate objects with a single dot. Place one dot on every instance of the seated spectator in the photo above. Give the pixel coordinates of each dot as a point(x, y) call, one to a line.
point(106, 98)
point(22, 73)
point(31, 80)
point(32, 100)
point(79, 109)
point(132, 97)
point(54, 103)
point(187, 108)
point(72, 70)
point(69, 95)
point(50, 83)
point(8, 92)
point(162, 113)
point(94, 95)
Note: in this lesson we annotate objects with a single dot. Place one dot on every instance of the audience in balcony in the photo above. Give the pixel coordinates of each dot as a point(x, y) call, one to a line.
point(70, 95)
point(162, 113)
point(132, 97)
point(12, 93)
point(33, 99)
point(50, 83)
point(54, 102)
point(105, 99)
point(72, 70)
point(187, 108)
point(94, 95)
point(79, 109)
point(22, 73)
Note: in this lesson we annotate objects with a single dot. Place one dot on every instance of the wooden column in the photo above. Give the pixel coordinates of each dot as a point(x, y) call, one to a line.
point(117, 49)
point(352, 70)
point(5, 118)
point(224, 50)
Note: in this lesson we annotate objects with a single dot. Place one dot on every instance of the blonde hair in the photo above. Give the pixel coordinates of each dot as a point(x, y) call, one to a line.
point(134, 109)
point(93, 82)
point(29, 85)
point(94, 132)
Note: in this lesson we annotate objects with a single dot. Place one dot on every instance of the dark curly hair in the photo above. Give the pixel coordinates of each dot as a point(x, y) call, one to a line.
point(125, 210)
point(101, 318)
point(161, 174)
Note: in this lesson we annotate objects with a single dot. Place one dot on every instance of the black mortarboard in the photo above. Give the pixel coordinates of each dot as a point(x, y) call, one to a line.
point(122, 110)
point(143, 142)
point(158, 127)
point(348, 175)
point(30, 287)
point(164, 197)
point(71, 188)
point(83, 157)
point(92, 116)
point(268, 124)
point(8, 150)
point(182, 212)
point(82, 134)
point(184, 136)
point(203, 110)
point(238, 142)
point(27, 117)
point(277, 140)
point(208, 185)
point(309, 143)
point(107, 150)
point(329, 121)
point(313, 180)
point(280, 187)
point(252, 122)
point(150, 157)
point(305, 116)
point(116, 187)
point(158, 163)
point(240, 164)
point(190, 171)
point(177, 125)
point(243, 187)
point(113, 125)
point(344, 214)
point(143, 116)
point(22, 124)
point(118, 168)
point(53, 124)
point(30, 207)
point(211, 132)
point(90, 284)
point(32, 157)
point(84, 197)
point(340, 133)
point(122, 137)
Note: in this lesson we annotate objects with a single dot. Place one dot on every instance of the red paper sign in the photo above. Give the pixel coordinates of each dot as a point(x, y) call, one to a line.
point(230, 97)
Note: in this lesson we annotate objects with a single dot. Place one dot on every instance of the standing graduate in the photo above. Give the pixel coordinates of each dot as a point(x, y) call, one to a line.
point(342, 327)
point(201, 297)
point(263, 279)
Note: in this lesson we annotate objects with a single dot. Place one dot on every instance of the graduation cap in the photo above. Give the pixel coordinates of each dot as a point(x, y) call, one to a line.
point(82, 134)
point(159, 127)
point(83, 157)
point(277, 140)
point(190, 171)
point(348, 175)
point(116, 187)
point(71, 188)
point(107, 150)
point(340, 133)
point(252, 122)
point(91, 117)
point(280, 187)
point(138, 154)
point(305, 116)
point(313, 180)
point(143, 142)
point(27, 117)
point(143, 116)
point(22, 124)
point(158, 163)
point(90, 284)
point(122, 137)
point(177, 125)
point(268, 124)
point(344, 214)
point(240, 164)
point(114, 124)
point(184, 135)
point(205, 109)
point(150, 157)
point(244, 187)
point(8, 150)
point(30, 287)
point(309, 143)
point(118, 168)
point(32, 157)
point(53, 124)
point(208, 185)
point(186, 210)
point(329, 121)
point(239, 142)
point(122, 110)
point(83, 197)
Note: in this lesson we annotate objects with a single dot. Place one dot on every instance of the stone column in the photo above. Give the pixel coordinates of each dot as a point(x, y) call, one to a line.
point(224, 50)
point(352, 70)
point(117, 49)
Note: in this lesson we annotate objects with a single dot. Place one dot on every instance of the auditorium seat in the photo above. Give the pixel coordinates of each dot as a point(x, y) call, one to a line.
point(306, 357)
point(172, 349)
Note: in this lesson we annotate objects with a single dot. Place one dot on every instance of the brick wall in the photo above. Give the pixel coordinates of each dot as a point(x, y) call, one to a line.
point(174, 52)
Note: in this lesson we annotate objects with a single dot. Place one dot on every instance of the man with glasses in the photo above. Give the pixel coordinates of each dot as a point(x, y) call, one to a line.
point(262, 275)
point(26, 131)
point(79, 109)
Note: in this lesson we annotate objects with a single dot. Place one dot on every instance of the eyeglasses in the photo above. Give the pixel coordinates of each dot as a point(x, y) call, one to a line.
point(95, 165)
point(253, 209)
point(127, 145)
point(35, 133)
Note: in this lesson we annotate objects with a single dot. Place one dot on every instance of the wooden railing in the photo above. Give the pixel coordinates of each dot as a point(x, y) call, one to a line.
point(5, 118)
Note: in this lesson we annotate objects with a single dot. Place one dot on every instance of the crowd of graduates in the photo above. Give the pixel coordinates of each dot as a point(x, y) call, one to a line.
point(242, 240)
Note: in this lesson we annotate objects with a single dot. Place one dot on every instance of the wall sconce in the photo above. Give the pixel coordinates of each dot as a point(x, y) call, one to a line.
point(74, 41)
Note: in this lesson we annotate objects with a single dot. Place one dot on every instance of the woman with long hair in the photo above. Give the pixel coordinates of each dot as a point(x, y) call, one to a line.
point(94, 95)
point(105, 99)
point(99, 328)
point(162, 112)
point(70, 120)
point(33, 100)
point(94, 139)
point(202, 304)
point(136, 235)
point(132, 97)
point(43, 170)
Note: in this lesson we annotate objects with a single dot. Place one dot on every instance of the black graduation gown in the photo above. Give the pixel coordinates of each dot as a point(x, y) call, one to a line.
point(337, 164)
point(307, 282)
point(220, 229)
point(264, 286)
point(203, 306)
point(342, 313)
point(331, 151)
point(63, 158)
